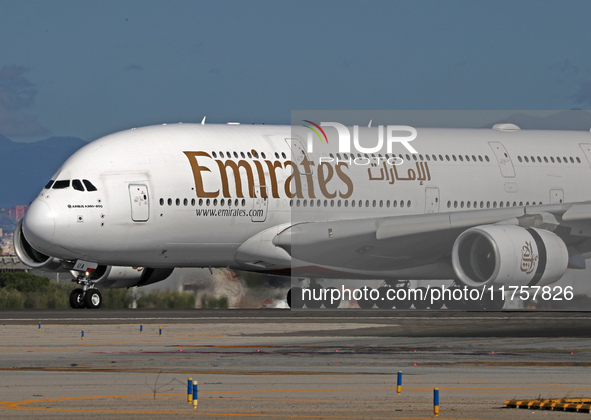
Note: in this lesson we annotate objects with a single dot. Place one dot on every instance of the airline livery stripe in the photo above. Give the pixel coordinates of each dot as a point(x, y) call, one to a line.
point(542, 257)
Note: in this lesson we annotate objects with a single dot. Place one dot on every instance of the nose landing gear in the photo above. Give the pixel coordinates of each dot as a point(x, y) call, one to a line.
point(87, 296)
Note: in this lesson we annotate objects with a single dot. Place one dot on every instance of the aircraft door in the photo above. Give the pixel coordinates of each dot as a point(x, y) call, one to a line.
point(140, 203)
point(431, 200)
point(505, 164)
point(556, 196)
point(587, 150)
point(260, 204)
point(299, 154)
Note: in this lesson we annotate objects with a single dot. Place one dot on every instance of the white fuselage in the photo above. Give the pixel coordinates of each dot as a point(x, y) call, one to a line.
point(189, 195)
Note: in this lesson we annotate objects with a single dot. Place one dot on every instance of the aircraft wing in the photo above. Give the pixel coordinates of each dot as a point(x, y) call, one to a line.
point(398, 242)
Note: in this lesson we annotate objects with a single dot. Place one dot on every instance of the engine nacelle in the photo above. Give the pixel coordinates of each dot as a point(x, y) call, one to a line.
point(104, 276)
point(114, 277)
point(511, 255)
point(30, 256)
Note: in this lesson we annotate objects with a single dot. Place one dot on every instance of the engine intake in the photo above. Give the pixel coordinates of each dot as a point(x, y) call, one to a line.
point(30, 256)
point(511, 255)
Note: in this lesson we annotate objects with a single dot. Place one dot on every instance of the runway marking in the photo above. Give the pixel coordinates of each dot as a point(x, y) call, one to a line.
point(504, 363)
point(428, 388)
point(78, 369)
point(145, 341)
point(19, 405)
point(100, 343)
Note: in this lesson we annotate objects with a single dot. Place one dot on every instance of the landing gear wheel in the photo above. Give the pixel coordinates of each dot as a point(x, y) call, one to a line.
point(402, 304)
point(77, 299)
point(315, 291)
point(383, 302)
point(473, 305)
point(421, 300)
point(437, 303)
point(402, 296)
point(294, 298)
point(406, 301)
point(327, 302)
point(366, 303)
point(494, 302)
point(93, 299)
point(454, 303)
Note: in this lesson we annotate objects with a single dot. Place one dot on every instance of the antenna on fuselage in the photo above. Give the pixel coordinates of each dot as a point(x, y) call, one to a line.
point(203, 120)
point(369, 125)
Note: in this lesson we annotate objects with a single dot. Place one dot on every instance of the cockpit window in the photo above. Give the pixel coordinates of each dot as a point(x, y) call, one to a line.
point(60, 185)
point(77, 185)
point(89, 186)
point(49, 184)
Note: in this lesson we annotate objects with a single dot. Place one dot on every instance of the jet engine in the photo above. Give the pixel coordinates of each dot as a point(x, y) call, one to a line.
point(114, 277)
point(30, 256)
point(511, 255)
point(104, 276)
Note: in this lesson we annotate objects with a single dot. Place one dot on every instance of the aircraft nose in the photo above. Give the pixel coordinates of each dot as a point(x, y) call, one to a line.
point(39, 225)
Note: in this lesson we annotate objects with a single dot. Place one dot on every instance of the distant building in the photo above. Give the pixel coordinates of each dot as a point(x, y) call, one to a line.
point(17, 212)
point(7, 250)
point(11, 264)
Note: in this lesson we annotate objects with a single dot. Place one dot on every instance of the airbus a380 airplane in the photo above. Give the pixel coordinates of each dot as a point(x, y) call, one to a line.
point(486, 207)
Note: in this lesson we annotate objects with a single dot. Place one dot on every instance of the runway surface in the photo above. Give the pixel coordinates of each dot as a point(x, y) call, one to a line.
point(384, 323)
point(281, 364)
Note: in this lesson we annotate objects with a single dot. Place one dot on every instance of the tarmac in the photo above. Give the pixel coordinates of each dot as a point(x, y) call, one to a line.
point(276, 364)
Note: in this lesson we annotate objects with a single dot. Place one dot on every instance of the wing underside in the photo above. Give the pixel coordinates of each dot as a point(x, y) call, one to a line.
point(402, 242)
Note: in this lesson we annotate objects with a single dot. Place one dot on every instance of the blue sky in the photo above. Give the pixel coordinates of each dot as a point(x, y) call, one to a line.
point(89, 68)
